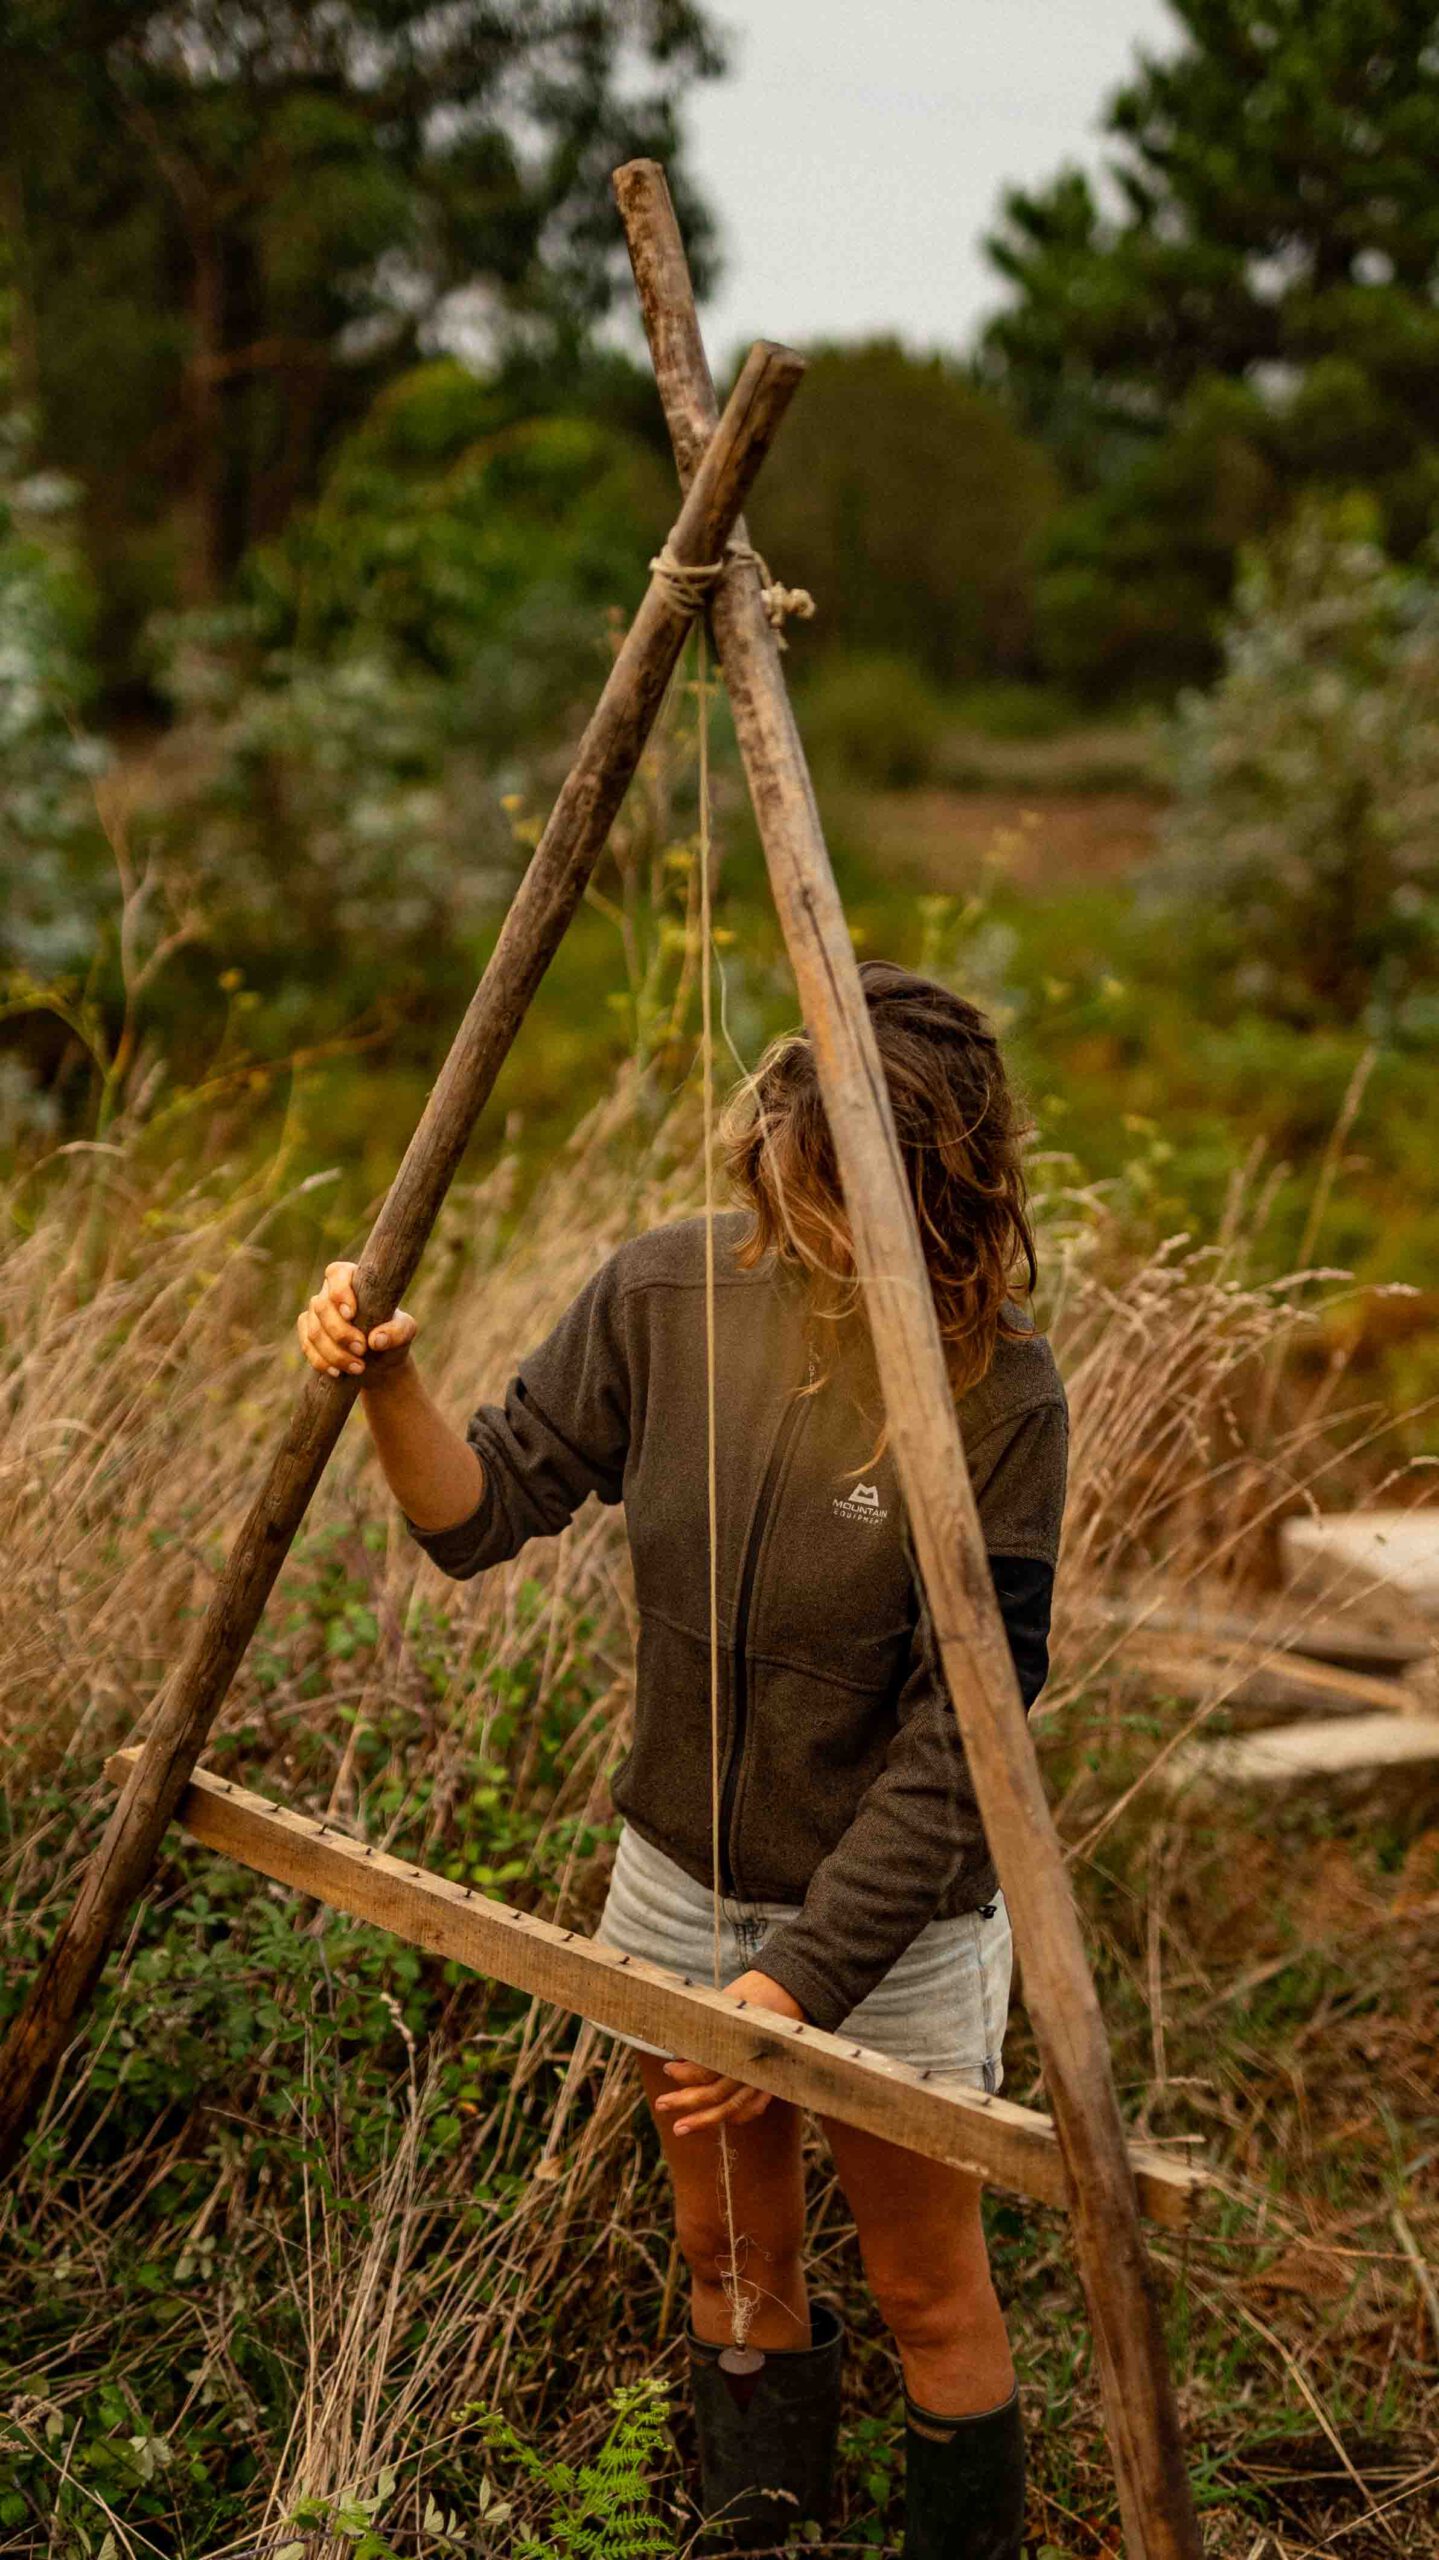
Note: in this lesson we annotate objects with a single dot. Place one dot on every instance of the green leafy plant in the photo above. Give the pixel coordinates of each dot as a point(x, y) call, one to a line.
point(599, 2510)
point(354, 2519)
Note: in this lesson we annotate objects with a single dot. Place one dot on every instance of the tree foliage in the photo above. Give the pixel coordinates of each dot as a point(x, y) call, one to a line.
point(469, 536)
point(1245, 311)
point(910, 505)
point(1303, 851)
point(347, 730)
point(234, 224)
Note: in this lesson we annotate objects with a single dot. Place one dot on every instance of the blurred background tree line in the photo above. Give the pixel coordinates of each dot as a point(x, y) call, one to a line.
point(328, 464)
point(329, 470)
point(234, 233)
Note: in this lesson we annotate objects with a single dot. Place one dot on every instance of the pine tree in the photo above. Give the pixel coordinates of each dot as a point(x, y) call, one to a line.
point(1249, 310)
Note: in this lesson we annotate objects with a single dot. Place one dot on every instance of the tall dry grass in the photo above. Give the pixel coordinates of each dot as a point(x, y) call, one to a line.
point(148, 1365)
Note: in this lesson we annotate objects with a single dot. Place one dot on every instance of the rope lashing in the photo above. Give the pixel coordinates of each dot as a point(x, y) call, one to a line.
point(690, 583)
point(687, 583)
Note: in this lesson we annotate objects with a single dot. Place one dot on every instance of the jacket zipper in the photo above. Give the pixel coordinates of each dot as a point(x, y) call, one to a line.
point(779, 1451)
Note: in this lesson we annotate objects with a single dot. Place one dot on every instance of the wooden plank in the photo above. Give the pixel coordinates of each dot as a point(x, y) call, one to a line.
point(1010, 2146)
point(1350, 1757)
point(541, 909)
point(1262, 1682)
point(1383, 1549)
point(1141, 2413)
point(1345, 1642)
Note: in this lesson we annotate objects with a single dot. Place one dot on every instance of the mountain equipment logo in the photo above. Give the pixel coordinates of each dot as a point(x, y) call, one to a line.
point(863, 1504)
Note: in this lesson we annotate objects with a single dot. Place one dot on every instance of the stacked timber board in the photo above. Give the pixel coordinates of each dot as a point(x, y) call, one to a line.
point(1334, 1687)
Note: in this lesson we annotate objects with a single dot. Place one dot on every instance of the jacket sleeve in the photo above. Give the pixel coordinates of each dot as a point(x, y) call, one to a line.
point(562, 1432)
point(917, 1830)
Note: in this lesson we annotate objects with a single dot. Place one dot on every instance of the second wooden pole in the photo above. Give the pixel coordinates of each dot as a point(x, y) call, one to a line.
point(1139, 2404)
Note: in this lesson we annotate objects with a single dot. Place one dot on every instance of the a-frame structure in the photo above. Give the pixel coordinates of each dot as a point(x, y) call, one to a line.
point(1082, 2158)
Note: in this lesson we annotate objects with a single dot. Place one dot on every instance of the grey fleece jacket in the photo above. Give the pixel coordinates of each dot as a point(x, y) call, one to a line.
point(844, 1786)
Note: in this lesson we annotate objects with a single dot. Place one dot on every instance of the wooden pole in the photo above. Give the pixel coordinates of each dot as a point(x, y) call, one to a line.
point(991, 2137)
point(1140, 2412)
point(542, 907)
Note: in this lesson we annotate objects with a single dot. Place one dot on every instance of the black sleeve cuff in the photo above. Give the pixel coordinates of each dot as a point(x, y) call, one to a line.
point(1024, 1588)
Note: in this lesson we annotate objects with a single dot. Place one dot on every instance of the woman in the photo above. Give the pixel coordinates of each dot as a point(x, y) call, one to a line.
point(855, 1885)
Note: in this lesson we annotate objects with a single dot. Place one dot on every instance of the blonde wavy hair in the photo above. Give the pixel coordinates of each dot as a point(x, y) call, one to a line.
point(961, 1136)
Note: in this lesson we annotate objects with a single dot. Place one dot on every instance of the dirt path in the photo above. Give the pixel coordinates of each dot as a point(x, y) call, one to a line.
point(1045, 841)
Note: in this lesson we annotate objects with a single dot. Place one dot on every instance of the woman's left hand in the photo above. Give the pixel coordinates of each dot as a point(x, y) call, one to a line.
point(702, 2098)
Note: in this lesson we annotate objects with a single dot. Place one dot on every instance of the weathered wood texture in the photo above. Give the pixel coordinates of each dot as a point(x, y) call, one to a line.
point(1261, 1683)
point(1390, 1553)
point(1012, 2146)
point(1140, 2411)
point(541, 909)
point(1374, 1760)
point(1346, 1642)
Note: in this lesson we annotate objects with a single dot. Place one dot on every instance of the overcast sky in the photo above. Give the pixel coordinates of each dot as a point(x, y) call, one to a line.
point(856, 153)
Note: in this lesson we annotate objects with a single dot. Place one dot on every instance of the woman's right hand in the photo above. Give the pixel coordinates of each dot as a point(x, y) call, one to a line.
point(333, 1343)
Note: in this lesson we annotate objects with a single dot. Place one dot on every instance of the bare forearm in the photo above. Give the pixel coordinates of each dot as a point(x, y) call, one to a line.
point(432, 1472)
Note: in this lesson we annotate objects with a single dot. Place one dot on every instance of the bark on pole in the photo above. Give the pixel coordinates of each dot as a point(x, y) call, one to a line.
point(1009, 2146)
point(1140, 2412)
point(541, 909)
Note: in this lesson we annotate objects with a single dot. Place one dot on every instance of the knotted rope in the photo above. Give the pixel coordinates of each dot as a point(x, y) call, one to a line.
point(690, 584)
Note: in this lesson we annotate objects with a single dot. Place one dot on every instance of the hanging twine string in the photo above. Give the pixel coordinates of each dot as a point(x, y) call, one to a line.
point(691, 583)
point(742, 2299)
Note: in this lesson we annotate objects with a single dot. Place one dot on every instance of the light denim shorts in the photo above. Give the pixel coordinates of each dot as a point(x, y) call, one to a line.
point(941, 2008)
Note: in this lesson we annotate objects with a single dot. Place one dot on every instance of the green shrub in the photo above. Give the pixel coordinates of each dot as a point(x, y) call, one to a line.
point(457, 538)
point(53, 856)
point(912, 505)
point(874, 719)
point(1018, 711)
point(1133, 574)
point(1302, 856)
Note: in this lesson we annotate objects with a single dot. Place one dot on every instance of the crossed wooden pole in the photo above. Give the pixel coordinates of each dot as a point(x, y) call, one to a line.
point(1082, 2159)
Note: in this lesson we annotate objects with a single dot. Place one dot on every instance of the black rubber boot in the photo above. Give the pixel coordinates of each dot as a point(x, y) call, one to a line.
point(964, 2484)
point(767, 2437)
